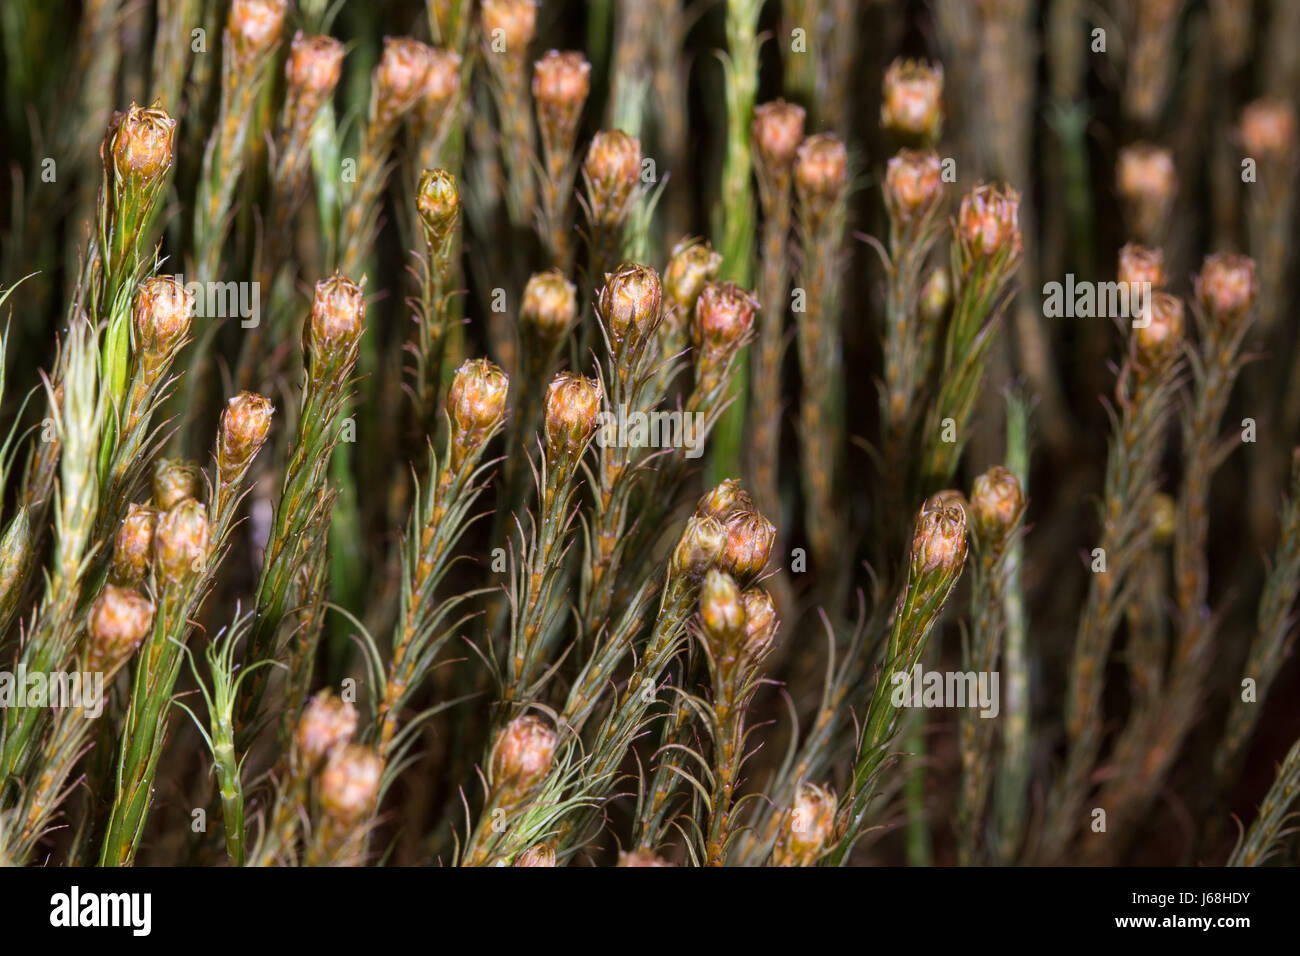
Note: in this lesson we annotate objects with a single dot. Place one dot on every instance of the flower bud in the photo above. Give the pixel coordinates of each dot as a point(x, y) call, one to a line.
point(174, 481)
point(724, 317)
point(640, 858)
point(1146, 182)
point(338, 314)
point(760, 621)
point(806, 828)
point(629, 304)
point(139, 144)
point(313, 69)
point(939, 541)
point(133, 545)
point(725, 500)
point(1226, 287)
point(161, 317)
point(701, 546)
point(523, 753)
point(327, 722)
point(989, 222)
point(513, 22)
point(612, 169)
point(119, 620)
point(476, 403)
point(572, 412)
point(255, 26)
point(561, 82)
point(776, 134)
point(913, 184)
point(349, 784)
point(997, 504)
point(181, 540)
point(912, 100)
point(540, 854)
point(1139, 265)
point(550, 306)
point(441, 84)
point(399, 78)
point(947, 498)
point(750, 537)
point(691, 267)
point(245, 423)
point(721, 611)
point(438, 203)
point(1159, 340)
point(1268, 130)
point(821, 171)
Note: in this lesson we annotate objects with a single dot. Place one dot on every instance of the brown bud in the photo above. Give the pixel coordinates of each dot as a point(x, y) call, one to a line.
point(1139, 265)
point(641, 858)
point(1226, 287)
point(313, 69)
point(760, 621)
point(133, 544)
point(572, 413)
point(629, 304)
point(912, 100)
point(523, 753)
point(806, 828)
point(338, 314)
point(1159, 338)
point(612, 169)
point(327, 722)
point(441, 84)
point(913, 184)
point(701, 546)
point(255, 26)
point(244, 426)
point(996, 506)
point(721, 611)
point(725, 500)
point(512, 22)
point(139, 144)
point(1268, 130)
point(540, 854)
point(181, 540)
point(989, 222)
point(776, 133)
point(821, 171)
point(1147, 183)
point(939, 542)
point(174, 480)
point(399, 78)
point(550, 305)
point(349, 784)
point(476, 402)
point(947, 498)
point(750, 537)
point(561, 82)
point(724, 317)
point(119, 620)
point(691, 267)
point(161, 317)
point(438, 202)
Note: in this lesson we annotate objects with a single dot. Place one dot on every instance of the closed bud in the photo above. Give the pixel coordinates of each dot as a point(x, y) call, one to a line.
point(1226, 287)
point(133, 544)
point(721, 611)
point(701, 546)
point(641, 858)
point(776, 134)
point(821, 171)
point(349, 784)
point(913, 184)
point(629, 304)
point(550, 305)
point(1139, 265)
point(750, 537)
point(181, 540)
point(119, 620)
point(807, 827)
point(255, 26)
point(612, 169)
point(438, 203)
point(245, 424)
point(692, 266)
point(572, 412)
point(561, 82)
point(139, 144)
point(338, 314)
point(1147, 182)
point(725, 500)
point(760, 621)
point(989, 222)
point(476, 403)
point(523, 753)
point(1160, 339)
point(724, 317)
point(514, 21)
point(912, 100)
point(542, 854)
point(399, 78)
point(947, 498)
point(939, 541)
point(313, 69)
point(1268, 130)
point(327, 722)
point(174, 481)
point(441, 84)
point(161, 317)
point(997, 503)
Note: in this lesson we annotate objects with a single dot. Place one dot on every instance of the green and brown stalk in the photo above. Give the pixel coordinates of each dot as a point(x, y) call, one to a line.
point(561, 82)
